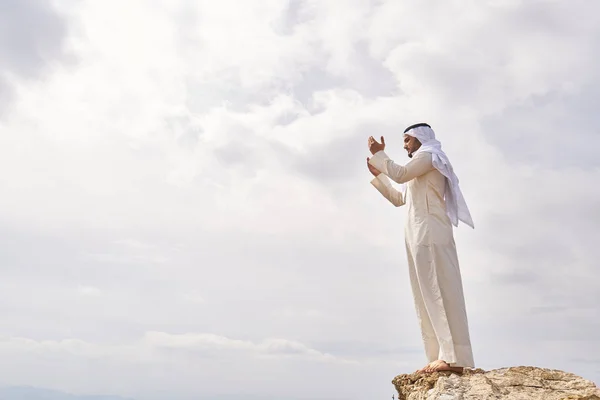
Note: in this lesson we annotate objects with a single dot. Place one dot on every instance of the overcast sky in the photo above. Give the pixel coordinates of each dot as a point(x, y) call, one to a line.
point(186, 212)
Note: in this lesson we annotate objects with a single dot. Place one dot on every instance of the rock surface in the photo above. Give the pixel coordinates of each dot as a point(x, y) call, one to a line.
point(514, 383)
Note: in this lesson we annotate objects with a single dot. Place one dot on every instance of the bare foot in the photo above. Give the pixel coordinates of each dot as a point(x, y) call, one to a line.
point(425, 367)
point(440, 365)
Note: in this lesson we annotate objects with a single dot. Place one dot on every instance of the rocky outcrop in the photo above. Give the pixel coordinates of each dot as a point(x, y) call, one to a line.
point(514, 383)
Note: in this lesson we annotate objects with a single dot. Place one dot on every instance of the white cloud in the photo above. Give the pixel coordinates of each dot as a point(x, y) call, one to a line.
point(211, 342)
point(88, 290)
point(193, 298)
point(200, 167)
point(152, 342)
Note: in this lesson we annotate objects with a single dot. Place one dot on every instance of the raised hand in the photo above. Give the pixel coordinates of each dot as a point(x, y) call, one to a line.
point(372, 169)
point(374, 146)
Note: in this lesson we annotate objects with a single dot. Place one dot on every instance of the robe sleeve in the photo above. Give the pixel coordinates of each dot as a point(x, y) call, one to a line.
point(418, 166)
point(384, 186)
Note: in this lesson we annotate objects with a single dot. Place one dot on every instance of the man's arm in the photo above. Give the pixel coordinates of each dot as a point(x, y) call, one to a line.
point(384, 186)
point(418, 166)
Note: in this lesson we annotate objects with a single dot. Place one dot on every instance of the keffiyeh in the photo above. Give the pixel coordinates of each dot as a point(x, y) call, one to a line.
point(456, 207)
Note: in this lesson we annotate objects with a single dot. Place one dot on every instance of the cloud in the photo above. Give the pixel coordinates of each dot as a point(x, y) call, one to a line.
point(211, 342)
point(203, 343)
point(29, 53)
point(201, 169)
point(88, 291)
point(31, 393)
point(193, 298)
point(552, 130)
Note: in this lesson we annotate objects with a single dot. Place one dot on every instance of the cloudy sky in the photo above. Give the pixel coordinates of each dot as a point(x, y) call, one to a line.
point(186, 211)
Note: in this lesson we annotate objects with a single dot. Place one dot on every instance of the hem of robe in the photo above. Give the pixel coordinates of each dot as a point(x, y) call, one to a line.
point(456, 355)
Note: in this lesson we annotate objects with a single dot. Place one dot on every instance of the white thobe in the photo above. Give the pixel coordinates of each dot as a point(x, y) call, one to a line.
point(432, 259)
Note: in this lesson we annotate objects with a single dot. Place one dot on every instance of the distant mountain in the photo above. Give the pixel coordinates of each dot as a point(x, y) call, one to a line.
point(33, 393)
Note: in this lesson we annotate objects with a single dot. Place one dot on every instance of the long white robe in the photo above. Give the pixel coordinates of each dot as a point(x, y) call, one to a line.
point(432, 259)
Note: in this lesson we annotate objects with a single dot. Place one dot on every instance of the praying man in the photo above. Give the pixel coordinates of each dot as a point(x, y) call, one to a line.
point(429, 189)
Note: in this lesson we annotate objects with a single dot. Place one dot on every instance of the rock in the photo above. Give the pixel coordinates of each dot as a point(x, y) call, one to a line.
point(514, 383)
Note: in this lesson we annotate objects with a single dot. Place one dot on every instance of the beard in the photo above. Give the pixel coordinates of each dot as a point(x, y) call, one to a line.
point(410, 155)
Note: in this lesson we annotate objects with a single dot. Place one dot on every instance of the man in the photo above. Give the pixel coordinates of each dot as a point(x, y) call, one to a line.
point(434, 201)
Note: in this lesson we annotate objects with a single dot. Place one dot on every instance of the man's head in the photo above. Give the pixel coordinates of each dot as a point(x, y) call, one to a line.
point(411, 143)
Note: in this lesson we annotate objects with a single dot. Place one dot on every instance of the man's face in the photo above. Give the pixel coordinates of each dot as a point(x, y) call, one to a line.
point(411, 144)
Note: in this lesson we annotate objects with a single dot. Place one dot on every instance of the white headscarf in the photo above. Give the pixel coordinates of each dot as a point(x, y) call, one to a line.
point(456, 207)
